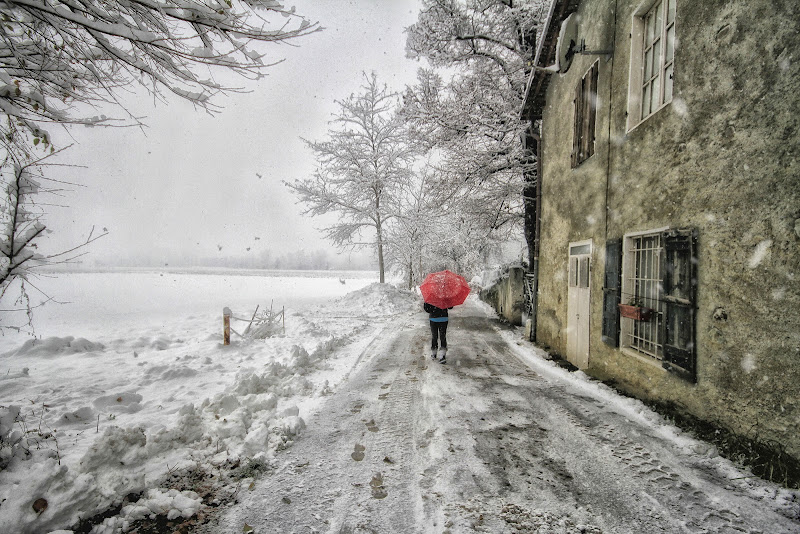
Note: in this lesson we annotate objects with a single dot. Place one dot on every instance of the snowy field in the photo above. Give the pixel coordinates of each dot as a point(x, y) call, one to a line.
point(128, 381)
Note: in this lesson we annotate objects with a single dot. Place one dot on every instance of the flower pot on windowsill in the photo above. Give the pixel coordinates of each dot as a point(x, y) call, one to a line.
point(637, 313)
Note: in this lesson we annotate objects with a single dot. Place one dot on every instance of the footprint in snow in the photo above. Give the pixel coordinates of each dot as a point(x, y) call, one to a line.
point(371, 426)
point(378, 490)
point(358, 452)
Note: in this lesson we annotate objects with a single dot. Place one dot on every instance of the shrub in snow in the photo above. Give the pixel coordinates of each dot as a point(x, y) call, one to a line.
point(10, 437)
point(23, 441)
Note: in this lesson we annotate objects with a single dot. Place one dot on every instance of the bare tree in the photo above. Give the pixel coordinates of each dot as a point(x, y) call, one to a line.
point(26, 189)
point(413, 229)
point(361, 169)
point(62, 61)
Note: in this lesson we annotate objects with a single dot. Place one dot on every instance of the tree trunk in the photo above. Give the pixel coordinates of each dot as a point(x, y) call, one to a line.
point(530, 194)
point(380, 262)
point(380, 250)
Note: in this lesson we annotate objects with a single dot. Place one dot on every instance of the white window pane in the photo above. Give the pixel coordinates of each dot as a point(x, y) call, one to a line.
point(670, 44)
point(650, 29)
point(646, 101)
point(668, 84)
point(655, 93)
point(657, 65)
point(648, 64)
point(659, 14)
point(671, 11)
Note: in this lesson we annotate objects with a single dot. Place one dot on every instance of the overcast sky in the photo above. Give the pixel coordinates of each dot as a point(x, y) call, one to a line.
point(190, 183)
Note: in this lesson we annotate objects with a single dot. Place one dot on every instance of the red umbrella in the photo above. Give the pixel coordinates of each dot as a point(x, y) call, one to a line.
point(444, 289)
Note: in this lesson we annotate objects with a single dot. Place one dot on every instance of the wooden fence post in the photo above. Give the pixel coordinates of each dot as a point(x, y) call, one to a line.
point(226, 325)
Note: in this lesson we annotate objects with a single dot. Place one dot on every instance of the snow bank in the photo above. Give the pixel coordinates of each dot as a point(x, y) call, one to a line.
point(54, 346)
point(85, 423)
point(378, 300)
point(157, 501)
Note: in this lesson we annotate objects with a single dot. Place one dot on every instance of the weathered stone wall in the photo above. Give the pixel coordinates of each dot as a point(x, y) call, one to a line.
point(507, 295)
point(721, 158)
point(573, 200)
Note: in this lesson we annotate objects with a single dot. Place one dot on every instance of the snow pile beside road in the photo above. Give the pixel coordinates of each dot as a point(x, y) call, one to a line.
point(83, 424)
point(380, 299)
point(53, 346)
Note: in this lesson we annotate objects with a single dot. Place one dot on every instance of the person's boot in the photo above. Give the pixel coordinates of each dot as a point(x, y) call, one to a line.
point(443, 355)
point(433, 353)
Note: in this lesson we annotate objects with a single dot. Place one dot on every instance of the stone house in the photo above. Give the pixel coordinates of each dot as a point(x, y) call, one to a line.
point(668, 135)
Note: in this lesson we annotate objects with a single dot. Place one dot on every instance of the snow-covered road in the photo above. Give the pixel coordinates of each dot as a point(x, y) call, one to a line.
point(495, 441)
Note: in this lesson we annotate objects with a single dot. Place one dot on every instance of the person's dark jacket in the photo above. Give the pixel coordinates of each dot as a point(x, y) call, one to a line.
point(434, 312)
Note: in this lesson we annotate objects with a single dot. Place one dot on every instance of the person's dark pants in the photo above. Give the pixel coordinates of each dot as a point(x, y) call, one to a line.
point(438, 331)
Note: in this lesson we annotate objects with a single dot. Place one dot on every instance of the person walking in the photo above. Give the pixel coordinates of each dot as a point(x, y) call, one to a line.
point(438, 319)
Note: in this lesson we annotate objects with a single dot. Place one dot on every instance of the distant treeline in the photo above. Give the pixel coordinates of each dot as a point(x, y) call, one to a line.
point(318, 260)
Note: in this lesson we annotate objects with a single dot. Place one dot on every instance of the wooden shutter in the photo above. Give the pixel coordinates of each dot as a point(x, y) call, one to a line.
point(576, 127)
point(680, 289)
point(585, 104)
point(611, 292)
point(590, 86)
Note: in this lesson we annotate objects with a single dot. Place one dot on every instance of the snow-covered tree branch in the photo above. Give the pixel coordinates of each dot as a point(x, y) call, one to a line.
point(65, 61)
point(56, 54)
point(471, 117)
point(361, 168)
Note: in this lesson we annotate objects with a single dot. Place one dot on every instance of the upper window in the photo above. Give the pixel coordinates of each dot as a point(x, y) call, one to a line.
point(652, 59)
point(585, 113)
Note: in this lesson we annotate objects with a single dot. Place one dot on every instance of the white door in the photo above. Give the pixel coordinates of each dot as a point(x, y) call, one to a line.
point(580, 254)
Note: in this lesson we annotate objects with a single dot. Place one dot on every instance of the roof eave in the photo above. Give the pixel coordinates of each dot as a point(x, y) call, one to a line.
point(539, 79)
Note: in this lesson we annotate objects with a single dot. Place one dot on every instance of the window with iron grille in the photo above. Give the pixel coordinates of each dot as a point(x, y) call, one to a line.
point(653, 42)
point(585, 106)
point(642, 287)
point(659, 273)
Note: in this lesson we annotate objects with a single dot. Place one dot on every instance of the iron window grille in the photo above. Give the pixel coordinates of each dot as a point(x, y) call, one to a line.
point(643, 288)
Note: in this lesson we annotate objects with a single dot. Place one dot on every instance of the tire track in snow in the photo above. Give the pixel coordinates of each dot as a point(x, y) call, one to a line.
point(486, 444)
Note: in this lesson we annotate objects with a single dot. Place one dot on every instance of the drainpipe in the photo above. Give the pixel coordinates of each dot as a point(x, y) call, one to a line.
point(536, 240)
point(610, 111)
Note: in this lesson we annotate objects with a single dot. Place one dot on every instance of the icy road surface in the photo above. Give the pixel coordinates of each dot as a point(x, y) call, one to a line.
point(495, 442)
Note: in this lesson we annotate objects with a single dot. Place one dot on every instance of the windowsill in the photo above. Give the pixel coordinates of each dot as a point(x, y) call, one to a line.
point(653, 114)
point(579, 165)
point(649, 360)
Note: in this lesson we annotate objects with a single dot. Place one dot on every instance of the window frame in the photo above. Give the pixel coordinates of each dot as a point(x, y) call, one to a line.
point(667, 45)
